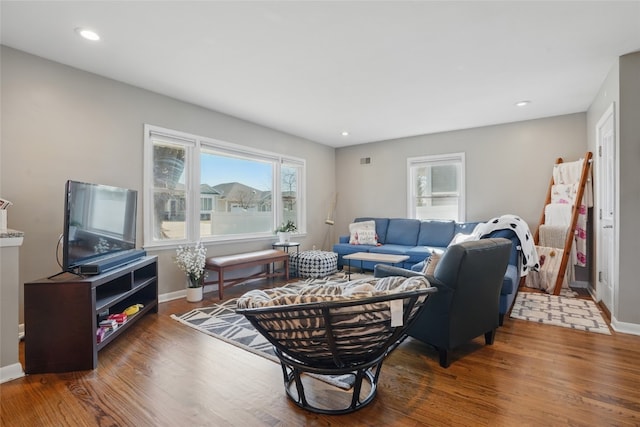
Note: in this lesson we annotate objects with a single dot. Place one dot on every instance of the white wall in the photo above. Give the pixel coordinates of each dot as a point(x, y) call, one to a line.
point(61, 123)
point(508, 168)
point(622, 87)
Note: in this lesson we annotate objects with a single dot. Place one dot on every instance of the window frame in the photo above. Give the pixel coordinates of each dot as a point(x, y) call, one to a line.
point(194, 145)
point(432, 160)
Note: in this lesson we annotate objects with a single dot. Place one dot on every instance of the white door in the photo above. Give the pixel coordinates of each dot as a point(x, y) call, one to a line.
point(605, 264)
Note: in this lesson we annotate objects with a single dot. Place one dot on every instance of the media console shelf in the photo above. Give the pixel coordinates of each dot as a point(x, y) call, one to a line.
point(61, 314)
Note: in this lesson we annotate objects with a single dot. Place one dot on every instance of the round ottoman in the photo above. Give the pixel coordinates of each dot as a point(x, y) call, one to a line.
point(314, 264)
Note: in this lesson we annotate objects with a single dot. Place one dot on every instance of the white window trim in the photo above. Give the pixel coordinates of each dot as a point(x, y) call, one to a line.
point(193, 144)
point(416, 161)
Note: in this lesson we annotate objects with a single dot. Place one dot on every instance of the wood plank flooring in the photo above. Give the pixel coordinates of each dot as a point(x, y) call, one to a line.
point(162, 373)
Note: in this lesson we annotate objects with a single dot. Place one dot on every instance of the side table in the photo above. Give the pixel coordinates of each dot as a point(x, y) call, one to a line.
point(285, 246)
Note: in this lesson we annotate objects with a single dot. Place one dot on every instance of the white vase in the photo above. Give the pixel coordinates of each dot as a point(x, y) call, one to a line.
point(194, 294)
point(284, 236)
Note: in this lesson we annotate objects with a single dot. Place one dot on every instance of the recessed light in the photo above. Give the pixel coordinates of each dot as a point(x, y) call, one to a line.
point(88, 34)
point(345, 133)
point(522, 103)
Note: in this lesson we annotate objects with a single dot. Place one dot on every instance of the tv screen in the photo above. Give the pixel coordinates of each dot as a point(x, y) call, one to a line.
point(99, 221)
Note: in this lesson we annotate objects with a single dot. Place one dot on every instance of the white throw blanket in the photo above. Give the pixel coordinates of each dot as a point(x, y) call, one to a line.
point(552, 236)
point(569, 173)
point(520, 227)
point(545, 278)
point(566, 179)
point(558, 214)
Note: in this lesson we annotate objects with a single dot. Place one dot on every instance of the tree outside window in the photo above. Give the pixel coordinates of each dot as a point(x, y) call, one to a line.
point(169, 198)
point(290, 178)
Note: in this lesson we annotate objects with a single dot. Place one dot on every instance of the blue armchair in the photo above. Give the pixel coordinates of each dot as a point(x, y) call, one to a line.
point(511, 279)
point(468, 277)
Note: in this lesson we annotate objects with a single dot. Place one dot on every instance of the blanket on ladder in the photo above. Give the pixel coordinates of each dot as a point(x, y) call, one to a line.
point(566, 179)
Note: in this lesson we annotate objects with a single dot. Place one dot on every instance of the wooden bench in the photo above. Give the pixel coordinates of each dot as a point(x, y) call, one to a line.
point(221, 264)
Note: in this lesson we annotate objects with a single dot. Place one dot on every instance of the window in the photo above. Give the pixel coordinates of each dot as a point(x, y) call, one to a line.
point(436, 187)
point(290, 195)
point(197, 188)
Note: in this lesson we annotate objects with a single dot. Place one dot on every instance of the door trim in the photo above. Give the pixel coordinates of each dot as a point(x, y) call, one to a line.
point(609, 114)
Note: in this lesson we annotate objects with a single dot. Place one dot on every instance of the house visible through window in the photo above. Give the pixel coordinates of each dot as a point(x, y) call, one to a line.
point(436, 187)
point(201, 189)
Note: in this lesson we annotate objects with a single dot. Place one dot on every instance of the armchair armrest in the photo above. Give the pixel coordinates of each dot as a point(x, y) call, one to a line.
point(385, 270)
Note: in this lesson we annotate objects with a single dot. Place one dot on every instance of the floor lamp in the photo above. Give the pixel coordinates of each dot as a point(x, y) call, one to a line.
point(329, 221)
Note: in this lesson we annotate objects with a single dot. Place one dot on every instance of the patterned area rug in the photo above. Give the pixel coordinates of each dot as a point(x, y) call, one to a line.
point(222, 322)
point(560, 310)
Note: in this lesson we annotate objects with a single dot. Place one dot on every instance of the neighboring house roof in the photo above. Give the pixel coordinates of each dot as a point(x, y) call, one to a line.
point(207, 189)
point(238, 192)
point(204, 189)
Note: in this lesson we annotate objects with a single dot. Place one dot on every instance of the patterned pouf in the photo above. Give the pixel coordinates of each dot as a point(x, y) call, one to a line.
point(314, 264)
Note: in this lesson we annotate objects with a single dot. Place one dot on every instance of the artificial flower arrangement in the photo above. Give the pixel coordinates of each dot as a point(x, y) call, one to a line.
point(287, 227)
point(191, 260)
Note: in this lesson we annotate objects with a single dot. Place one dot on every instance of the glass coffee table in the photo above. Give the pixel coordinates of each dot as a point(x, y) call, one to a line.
point(373, 257)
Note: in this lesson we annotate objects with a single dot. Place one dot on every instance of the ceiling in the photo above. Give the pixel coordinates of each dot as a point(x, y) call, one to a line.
point(377, 69)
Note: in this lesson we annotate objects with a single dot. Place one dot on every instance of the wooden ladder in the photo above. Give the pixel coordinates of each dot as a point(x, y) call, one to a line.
point(575, 210)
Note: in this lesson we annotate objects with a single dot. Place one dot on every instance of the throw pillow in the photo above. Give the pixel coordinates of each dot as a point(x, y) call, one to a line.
point(459, 238)
point(430, 264)
point(363, 233)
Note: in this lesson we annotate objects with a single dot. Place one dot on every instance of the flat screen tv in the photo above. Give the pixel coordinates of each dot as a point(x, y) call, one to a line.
point(99, 224)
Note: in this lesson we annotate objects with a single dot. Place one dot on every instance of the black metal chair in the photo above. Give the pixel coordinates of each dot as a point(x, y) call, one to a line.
point(349, 336)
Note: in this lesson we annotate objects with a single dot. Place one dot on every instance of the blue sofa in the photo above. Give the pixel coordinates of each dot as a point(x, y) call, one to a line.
point(417, 239)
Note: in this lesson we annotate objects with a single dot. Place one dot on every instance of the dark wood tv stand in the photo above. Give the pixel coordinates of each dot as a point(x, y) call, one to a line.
point(61, 314)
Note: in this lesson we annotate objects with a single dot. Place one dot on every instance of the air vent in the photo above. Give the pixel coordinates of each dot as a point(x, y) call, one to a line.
point(365, 160)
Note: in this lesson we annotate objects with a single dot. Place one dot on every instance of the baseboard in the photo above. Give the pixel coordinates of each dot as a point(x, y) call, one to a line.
point(11, 372)
point(625, 328)
point(170, 296)
point(579, 284)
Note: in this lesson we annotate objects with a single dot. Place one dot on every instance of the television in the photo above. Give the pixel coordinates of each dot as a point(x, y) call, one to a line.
point(99, 227)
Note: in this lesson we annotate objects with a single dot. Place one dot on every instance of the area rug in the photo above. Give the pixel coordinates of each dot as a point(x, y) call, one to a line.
point(222, 322)
point(560, 310)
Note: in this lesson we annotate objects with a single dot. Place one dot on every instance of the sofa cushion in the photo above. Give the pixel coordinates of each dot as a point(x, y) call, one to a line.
point(402, 231)
point(381, 227)
point(346, 248)
point(390, 249)
point(436, 233)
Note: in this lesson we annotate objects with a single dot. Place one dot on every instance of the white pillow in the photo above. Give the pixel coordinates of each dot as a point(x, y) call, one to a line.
point(430, 265)
point(459, 238)
point(363, 233)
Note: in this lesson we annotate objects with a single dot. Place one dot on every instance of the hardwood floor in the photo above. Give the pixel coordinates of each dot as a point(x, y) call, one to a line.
point(162, 373)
